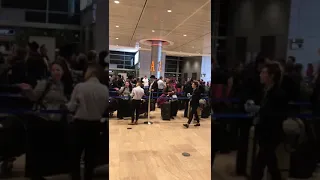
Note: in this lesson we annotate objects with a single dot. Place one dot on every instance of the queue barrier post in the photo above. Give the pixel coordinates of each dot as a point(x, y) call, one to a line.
point(149, 104)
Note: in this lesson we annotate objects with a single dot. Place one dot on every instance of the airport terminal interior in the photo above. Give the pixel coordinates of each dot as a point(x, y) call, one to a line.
point(182, 67)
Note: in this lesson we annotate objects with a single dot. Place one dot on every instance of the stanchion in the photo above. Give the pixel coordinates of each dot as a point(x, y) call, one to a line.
point(149, 104)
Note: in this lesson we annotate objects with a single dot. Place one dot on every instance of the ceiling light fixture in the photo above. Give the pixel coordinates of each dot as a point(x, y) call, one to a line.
point(153, 30)
point(192, 46)
point(117, 26)
point(117, 38)
point(184, 35)
point(169, 10)
point(117, 2)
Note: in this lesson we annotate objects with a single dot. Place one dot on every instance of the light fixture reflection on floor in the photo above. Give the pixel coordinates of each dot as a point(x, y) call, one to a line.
point(184, 35)
point(169, 10)
point(117, 2)
point(117, 26)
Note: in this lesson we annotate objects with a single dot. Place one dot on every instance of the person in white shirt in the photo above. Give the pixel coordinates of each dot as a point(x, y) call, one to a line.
point(161, 84)
point(145, 81)
point(137, 95)
point(89, 101)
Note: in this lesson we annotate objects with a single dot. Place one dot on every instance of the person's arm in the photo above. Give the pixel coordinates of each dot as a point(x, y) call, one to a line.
point(133, 92)
point(34, 94)
point(73, 103)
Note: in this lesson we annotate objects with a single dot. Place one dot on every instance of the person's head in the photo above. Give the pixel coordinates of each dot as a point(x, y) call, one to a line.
point(138, 84)
point(119, 77)
point(33, 46)
point(161, 78)
point(152, 77)
point(195, 84)
point(127, 84)
point(57, 70)
point(43, 49)
point(271, 74)
point(92, 56)
point(92, 72)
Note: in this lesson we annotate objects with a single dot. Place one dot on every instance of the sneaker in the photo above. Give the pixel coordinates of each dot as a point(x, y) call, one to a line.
point(186, 125)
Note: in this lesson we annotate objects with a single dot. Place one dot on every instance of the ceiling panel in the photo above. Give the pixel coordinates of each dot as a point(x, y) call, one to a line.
point(187, 26)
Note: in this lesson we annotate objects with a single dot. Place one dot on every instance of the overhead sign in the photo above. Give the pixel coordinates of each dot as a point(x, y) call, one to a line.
point(153, 68)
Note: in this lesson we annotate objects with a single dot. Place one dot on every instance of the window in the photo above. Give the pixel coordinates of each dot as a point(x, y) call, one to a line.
point(63, 18)
point(39, 17)
point(59, 5)
point(122, 59)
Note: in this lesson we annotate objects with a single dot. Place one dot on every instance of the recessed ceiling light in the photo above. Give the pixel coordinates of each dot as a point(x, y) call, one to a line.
point(192, 46)
point(169, 10)
point(117, 38)
point(184, 35)
point(117, 45)
point(153, 30)
point(117, 26)
point(117, 2)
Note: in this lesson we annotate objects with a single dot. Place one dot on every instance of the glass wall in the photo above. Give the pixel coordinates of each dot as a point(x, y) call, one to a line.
point(122, 60)
point(173, 67)
point(56, 11)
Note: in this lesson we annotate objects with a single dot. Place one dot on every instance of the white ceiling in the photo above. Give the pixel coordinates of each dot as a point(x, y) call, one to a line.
point(133, 20)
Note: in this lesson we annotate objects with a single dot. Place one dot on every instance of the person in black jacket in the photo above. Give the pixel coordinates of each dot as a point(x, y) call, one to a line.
point(272, 113)
point(187, 88)
point(36, 67)
point(194, 104)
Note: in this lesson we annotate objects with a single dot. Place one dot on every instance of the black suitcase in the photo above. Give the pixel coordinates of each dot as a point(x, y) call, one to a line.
point(174, 107)
point(206, 112)
point(166, 111)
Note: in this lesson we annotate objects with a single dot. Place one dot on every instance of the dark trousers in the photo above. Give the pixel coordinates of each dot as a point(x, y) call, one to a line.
point(85, 137)
point(186, 108)
point(194, 113)
point(243, 143)
point(266, 158)
point(135, 110)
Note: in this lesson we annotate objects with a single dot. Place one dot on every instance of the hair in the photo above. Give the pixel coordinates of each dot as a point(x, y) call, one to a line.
point(66, 78)
point(130, 85)
point(275, 71)
point(34, 46)
point(138, 83)
point(196, 83)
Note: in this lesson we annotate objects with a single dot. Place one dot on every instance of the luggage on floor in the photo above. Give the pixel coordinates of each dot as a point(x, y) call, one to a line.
point(174, 108)
point(152, 105)
point(166, 111)
point(282, 152)
point(206, 112)
point(304, 160)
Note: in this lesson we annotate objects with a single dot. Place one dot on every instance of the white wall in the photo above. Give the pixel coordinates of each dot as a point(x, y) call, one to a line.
point(304, 23)
point(206, 68)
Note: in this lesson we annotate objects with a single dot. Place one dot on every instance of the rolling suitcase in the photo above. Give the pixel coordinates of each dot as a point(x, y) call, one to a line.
point(282, 152)
point(166, 111)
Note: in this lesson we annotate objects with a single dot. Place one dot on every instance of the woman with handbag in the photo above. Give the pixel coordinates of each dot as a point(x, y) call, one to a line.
point(124, 101)
point(46, 149)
